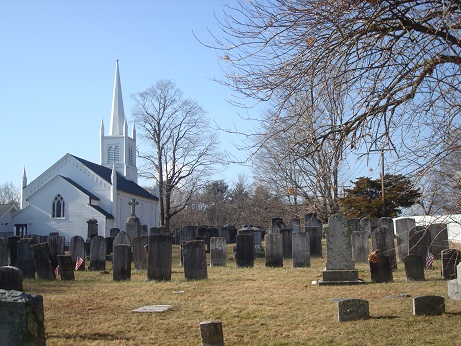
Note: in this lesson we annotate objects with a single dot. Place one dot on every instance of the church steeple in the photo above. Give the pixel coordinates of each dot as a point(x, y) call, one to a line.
point(117, 118)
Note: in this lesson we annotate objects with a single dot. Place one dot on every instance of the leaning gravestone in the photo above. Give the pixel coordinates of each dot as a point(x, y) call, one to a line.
point(380, 268)
point(66, 268)
point(11, 279)
point(450, 259)
point(159, 258)
point(194, 256)
point(77, 250)
point(353, 309)
point(360, 246)
point(98, 253)
point(121, 264)
point(314, 228)
point(139, 252)
point(419, 242)
point(301, 250)
point(340, 268)
point(402, 229)
point(439, 238)
point(42, 261)
point(428, 305)
point(22, 317)
point(3, 252)
point(245, 251)
point(25, 259)
point(218, 252)
point(414, 268)
point(274, 250)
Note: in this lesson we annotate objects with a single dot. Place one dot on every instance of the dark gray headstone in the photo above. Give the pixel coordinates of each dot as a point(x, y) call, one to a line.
point(414, 268)
point(4, 252)
point(274, 250)
point(22, 319)
point(287, 243)
point(66, 267)
point(159, 258)
point(402, 230)
point(139, 252)
point(133, 227)
point(428, 305)
point(194, 254)
point(109, 245)
point(314, 228)
point(98, 253)
point(25, 260)
point(354, 225)
point(439, 238)
point(122, 238)
point(218, 252)
point(245, 250)
point(232, 231)
point(381, 271)
point(42, 262)
point(380, 240)
point(365, 226)
point(121, 263)
point(56, 247)
point(92, 230)
point(188, 233)
point(450, 259)
point(13, 250)
point(301, 250)
point(277, 225)
point(295, 225)
point(353, 309)
point(77, 250)
point(11, 279)
point(419, 242)
point(360, 246)
point(211, 333)
point(114, 231)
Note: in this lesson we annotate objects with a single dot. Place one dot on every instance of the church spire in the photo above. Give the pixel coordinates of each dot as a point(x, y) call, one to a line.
point(117, 118)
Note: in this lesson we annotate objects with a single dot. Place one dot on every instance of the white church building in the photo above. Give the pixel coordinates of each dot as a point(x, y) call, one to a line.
point(75, 192)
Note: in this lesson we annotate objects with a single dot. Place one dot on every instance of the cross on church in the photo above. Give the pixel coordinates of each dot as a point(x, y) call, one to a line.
point(133, 204)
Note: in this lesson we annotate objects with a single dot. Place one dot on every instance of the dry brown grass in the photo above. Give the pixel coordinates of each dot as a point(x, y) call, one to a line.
point(257, 306)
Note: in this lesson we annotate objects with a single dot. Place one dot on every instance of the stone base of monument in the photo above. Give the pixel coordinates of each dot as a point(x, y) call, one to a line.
point(340, 277)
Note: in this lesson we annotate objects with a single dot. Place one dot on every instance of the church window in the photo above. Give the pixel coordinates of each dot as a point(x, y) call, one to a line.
point(110, 154)
point(58, 206)
point(116, 154)
point(130, 155)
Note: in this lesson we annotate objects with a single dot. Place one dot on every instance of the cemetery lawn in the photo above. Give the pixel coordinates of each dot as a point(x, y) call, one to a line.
point(257, 306)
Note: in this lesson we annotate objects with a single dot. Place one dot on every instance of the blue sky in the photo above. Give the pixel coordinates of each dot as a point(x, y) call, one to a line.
point(57, 67)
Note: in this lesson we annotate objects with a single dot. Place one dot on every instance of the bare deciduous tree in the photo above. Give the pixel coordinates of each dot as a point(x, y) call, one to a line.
point(182, 149)
point(9, 194)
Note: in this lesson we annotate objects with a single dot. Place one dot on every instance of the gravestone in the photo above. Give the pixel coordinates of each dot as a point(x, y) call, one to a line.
point(419, 242)
point(56, 247)
point(188, 233)
point(121, 263)
point(77, 250)
point(354, 225)
point(454, 286)
point(414, 268)
point(232, 231)
point(381, 268)
point(245, 251)
point(274, 250)
point(428, 306)
point(194, 254)
point(66, 267)
point(380, 240)
point(139, 252)
point(353, 309)
point(122, 238)
point(98, 253)
point(439, 238)
point(360, 246)
point(277, 225)
point(340, 268)
point(133, 227)
point(13, 250)
point(402, 230)
point(42, 261)
point(114, 231)
point(211, 333)
point(109, 245)
point(301, 250)
point(287, 243)
point(25, 261)
point(450, 259)
point(4, 252)
point(11, 278)
point(218, 252)
point(176, 236)
point(295, 225)
point(314, 228)
point(365, 226)
point(389, 239)
point(37, 238)
point(22, 317)
point(92, 230)
point(159, 258)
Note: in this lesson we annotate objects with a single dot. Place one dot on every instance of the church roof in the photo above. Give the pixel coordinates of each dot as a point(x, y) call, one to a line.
point(81, 188)
point(102, 211)
point(123, 184)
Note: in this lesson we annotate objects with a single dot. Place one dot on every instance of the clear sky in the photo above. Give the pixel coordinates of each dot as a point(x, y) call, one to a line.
point(57, 65)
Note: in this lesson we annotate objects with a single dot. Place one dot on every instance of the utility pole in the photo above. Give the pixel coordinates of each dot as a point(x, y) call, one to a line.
point(382, 183)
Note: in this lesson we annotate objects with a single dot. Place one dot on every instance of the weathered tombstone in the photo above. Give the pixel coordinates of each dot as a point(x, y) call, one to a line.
point(232, 230)
point(133, 227)
point(274, 250)
point(121, 263)
point(22, 318)
point(365, 226)
point(3, 252)
point(211, 333)
point(301, 250)
point(109, 245)
point(177, 237)
point(454, 286)
point(42, 261)
point(122, 238)
point(139, 252)
point(295, 225)
point(13, 250)
point(66, 267)
point(92, 230)
point(450, 259)
point(144, 230)
point(379, 240)
point(114, 231)
point(194, 253)
point(380, 268)
point(77, 250)
point(402, 229)
point(360, 246)
point(159, 258)
point(25, 261)
point(11, 278)
point(188, 233)
point(98, 253)
point(287, 243)
point(314, 228)
point(354, 225)
point(353, 309)
point(340, 268)
point(244, 256)
point(419, 242)
point(439, 238)
point(414, 268)
point(428, 305)
point(389, 239)
point(277, 225)
point(37, 238)
point(218, 252)
point(56, 247)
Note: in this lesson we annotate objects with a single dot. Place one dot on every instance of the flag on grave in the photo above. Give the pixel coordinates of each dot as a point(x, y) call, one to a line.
point(78, 262)
point(429, 259)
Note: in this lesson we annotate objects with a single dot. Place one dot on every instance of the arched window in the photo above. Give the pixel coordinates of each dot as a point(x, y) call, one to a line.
point(116, 154)
point(130, 154)
point(58, 206)
point(110, 154)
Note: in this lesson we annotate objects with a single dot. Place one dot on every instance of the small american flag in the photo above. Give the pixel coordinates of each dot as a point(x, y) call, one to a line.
point(56, 270)
point(429, 259)
point(78, 262)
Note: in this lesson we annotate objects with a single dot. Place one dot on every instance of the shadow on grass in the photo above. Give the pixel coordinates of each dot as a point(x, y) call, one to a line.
point(383, 317)
point(90, 336)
